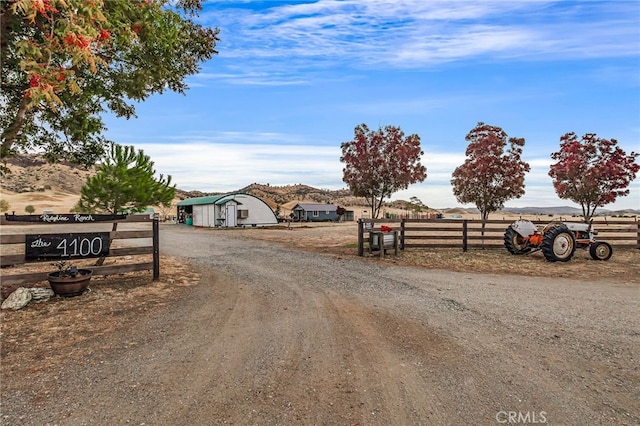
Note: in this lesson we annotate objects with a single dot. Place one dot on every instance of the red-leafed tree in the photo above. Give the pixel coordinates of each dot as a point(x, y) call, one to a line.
point(592, 171)
point(490, 176)
point(67, 62)
point(381, 162)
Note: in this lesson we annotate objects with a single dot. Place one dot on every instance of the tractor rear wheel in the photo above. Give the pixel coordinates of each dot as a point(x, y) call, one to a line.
point(558, 244)
point(600, 251)
point(516, 243)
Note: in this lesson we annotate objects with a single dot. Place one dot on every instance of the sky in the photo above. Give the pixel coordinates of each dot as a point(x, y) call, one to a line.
point(294, 78)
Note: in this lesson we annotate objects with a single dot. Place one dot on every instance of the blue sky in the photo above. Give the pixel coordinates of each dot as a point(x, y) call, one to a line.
point(293, 79)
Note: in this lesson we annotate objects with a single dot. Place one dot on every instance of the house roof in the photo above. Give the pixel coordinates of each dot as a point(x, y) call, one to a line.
point(315, 206)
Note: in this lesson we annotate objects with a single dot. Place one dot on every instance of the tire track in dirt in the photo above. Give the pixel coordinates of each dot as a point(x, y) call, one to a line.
point(387, 366)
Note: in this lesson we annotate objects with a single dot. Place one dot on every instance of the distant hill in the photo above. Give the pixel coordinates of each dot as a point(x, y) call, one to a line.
point(547, 210)
point(303, 193)
point(557, 210)
point(565, 210)
point(32, 174)
point(289, 195)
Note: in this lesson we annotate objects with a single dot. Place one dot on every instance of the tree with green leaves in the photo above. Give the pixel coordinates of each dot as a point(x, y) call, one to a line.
point(66, 62)
point(29, 209)
point(4, 206)
point(381, 162)
point(125, 182)
point(490, 176)
point(592, 171)
point(417, 205)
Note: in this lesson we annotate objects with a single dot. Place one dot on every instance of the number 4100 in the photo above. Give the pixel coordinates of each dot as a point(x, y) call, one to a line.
point(80, 246)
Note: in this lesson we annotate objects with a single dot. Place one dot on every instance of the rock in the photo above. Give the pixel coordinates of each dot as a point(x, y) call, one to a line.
point(17, 300)
point(41, 294)
point(6, 291)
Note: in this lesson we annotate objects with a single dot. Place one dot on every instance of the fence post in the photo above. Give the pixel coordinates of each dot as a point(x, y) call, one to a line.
point(156, 248)
point(360, 238)
point(464, 235)
point(402, 222)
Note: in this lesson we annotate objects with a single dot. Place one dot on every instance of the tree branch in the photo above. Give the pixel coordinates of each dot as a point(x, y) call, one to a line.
point(10, 134)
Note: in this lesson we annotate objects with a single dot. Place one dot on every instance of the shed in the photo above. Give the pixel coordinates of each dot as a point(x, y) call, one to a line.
point(226, 210)
point(311, 212)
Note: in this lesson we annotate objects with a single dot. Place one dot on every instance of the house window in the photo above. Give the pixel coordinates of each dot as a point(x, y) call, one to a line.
point(316, 213)
point(327, 212)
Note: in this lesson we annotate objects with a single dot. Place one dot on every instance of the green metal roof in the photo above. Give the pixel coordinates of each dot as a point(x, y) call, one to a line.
point(201, 200)
point(213, 199)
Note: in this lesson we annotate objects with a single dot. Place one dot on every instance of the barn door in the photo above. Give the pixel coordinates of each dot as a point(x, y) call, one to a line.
point(230, 214)
point(211, 215)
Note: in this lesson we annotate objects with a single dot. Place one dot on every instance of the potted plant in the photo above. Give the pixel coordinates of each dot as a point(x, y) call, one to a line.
point(69, 281)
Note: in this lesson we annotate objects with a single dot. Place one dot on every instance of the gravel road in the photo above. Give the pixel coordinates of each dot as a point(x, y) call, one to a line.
point(274, 336)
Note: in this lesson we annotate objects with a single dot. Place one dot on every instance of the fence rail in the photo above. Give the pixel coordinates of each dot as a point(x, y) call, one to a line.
point(128, 242)
point(469, 234)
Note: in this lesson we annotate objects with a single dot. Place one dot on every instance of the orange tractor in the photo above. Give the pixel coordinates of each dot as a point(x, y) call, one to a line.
point(557, 240)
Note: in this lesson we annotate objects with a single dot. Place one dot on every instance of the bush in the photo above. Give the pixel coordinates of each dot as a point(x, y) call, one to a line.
point(29, 209)
point(4, 206)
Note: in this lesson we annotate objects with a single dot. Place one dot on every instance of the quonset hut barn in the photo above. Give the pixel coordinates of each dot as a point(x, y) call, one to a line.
point(227, 210)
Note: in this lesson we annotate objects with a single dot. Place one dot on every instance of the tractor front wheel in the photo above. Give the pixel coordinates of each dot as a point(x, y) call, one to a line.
point(600, 251)
point(558, 244)
point(516, 243)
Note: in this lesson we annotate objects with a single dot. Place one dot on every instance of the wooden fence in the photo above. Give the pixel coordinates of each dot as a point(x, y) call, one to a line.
point(129, 240)
point(468, 234)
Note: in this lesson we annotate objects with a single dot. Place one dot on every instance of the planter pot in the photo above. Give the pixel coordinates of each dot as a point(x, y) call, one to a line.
point(70, 286)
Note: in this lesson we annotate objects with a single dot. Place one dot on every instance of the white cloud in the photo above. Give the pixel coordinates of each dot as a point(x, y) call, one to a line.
point(224, 167)
point(292, 38)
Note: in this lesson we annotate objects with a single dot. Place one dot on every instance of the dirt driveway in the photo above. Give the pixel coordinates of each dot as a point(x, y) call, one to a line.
point(270, 335)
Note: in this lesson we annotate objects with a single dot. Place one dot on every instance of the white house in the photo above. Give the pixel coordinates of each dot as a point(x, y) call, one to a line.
point(227, 210)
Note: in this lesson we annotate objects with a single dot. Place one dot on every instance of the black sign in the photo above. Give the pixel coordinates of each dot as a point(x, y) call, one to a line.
point(64, 218)
point(65, 246)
